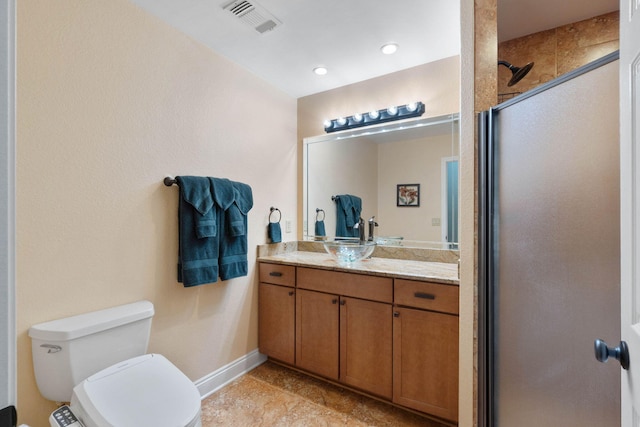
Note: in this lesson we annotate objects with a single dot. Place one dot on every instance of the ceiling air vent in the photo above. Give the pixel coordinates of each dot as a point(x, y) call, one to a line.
point(252, 14)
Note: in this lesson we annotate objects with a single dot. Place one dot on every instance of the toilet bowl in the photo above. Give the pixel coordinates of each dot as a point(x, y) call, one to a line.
point(97, 362)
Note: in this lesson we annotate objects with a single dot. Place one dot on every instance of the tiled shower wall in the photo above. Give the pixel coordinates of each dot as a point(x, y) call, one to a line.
point(557, 51)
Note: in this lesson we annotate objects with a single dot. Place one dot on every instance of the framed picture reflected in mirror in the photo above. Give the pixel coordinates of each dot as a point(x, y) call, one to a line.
point(408, 195)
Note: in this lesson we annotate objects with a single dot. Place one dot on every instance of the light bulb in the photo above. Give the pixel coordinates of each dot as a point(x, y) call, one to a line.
point(321, 71)
point(413, 106)
point(328, 124)
point(341, 121)
point(392, 111)
point(357, 117)
point(389, 48)
point(374, 114)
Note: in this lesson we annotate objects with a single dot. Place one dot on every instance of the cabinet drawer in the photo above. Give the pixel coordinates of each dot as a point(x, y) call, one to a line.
point(429, 296)
point(347, 284)
point(278, 274)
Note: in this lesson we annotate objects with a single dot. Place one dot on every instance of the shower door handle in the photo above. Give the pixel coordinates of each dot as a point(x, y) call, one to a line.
point(620, 353)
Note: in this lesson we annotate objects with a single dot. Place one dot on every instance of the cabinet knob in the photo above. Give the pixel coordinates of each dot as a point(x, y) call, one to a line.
point(334, 301)
point(343, 302)
point(275, 274)
point(291, 293)
point(396, 314)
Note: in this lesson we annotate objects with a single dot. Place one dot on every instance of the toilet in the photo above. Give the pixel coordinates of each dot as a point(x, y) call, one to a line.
point(97, 361)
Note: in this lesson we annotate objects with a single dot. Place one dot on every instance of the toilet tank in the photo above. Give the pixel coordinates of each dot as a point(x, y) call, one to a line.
point(67, 351)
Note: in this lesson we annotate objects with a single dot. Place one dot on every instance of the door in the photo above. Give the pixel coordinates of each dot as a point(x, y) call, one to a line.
point(425, 361)
point(365, 345)
point(317, 333)
point(276, 321)
point(450, 202)
point(630, 205)
point(554, 252)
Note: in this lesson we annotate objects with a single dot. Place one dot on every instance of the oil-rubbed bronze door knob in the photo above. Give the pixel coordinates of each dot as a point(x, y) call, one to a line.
point(620, 353)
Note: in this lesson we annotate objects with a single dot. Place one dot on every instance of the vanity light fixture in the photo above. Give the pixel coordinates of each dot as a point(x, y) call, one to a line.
point(413, 109)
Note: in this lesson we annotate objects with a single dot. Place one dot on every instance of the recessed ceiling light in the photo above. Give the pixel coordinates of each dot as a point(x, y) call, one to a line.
point(321, 71)
point(389, 48)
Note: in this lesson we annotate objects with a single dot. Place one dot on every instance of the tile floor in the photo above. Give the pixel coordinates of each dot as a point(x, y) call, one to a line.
point(272, 395)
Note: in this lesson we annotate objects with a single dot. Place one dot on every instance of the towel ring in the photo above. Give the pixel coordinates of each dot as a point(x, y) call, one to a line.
point(272, 210)
point(318, 210)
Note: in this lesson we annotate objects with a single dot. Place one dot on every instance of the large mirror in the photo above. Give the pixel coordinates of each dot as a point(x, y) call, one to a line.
point(404, 173)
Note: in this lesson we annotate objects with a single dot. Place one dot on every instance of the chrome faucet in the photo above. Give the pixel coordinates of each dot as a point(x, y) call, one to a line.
point(372, 225)
point(360, 227)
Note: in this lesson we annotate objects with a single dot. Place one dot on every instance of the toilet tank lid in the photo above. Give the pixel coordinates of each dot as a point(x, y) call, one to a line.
point(78, 326)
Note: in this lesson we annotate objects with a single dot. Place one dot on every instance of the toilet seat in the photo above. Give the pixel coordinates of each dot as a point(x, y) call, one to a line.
point(143, 391)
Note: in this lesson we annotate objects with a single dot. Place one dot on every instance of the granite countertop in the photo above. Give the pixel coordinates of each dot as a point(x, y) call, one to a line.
point(439, 272)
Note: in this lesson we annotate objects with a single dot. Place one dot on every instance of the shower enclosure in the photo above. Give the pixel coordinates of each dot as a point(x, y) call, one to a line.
point(550, 253)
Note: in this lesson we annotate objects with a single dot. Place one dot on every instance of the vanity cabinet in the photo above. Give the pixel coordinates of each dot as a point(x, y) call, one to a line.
point(344, 328)
point(393, 338)
point(425, 347)
point(276, 312)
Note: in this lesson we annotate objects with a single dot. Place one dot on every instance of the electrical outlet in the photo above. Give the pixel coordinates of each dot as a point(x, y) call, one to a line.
point(287, 226)
point(435, 222)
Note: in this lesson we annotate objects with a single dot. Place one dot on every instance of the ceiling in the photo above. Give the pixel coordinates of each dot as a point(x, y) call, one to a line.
point(346, 36)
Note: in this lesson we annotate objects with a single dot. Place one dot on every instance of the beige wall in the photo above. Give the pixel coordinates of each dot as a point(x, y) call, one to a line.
point(436, 84)
point(109, 102)
point(558, 51)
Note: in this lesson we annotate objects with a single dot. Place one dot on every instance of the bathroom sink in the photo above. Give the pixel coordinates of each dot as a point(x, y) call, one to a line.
point(349, 251)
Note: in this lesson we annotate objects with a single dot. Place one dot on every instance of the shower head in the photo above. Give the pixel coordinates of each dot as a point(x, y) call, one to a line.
point(518, 72)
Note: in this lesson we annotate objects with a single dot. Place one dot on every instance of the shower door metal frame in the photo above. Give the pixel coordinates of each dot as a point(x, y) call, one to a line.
point(8, 358)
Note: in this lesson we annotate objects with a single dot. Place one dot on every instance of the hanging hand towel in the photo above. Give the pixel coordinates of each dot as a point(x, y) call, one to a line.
point(319, 228)
point(320, 231)
point(275, 233)
point(273, 229)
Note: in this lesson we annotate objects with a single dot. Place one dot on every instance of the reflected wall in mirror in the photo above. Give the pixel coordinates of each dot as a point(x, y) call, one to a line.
point(371, 163)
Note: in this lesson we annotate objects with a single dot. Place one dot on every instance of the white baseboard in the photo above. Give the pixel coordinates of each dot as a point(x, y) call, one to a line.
point(216, 380)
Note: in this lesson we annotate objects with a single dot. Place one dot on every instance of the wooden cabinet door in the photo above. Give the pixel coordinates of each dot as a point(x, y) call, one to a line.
point(317, 332)
point(366, 345)
point(276, 322)
point(425, 361)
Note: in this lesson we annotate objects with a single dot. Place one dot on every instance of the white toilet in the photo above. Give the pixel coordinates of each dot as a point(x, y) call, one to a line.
point(97, 362)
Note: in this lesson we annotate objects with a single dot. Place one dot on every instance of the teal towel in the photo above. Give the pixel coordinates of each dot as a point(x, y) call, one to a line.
point(348, 209)
point(320, 231)
point(238, 199)
point(275, 233)
point(198, 242)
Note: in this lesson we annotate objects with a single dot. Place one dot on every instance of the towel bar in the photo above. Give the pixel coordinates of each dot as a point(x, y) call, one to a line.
point(272, 210)
point(168, 181)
